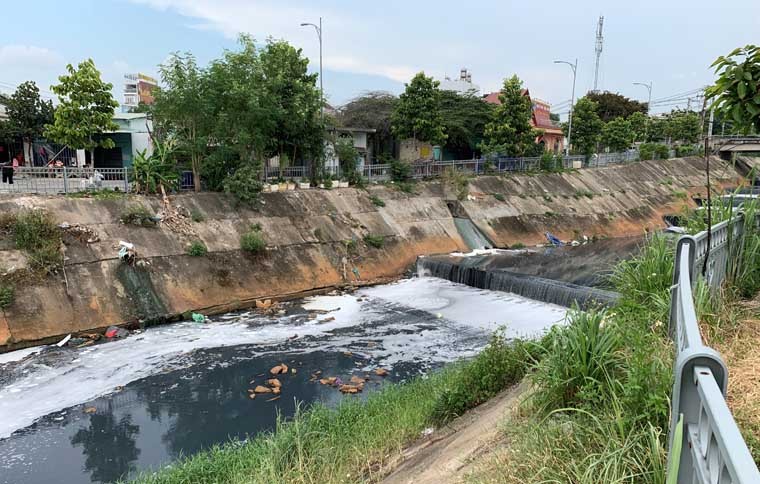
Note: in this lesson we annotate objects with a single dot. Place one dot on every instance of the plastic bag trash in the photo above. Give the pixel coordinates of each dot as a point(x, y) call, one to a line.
point(116, 332)
point(553, 240)
point(198, 318)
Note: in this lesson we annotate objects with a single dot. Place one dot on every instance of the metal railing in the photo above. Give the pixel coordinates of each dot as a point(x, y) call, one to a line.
point(63, 179)
point(712, 448)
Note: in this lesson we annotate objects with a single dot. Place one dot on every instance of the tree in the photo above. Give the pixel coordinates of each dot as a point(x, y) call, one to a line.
point(639, 124)
point(587, 127)
point(659, 129)
point(372, 110)
point(85, 110)
point(736, 92)
point(612, 105)
point(510, 132)
point(617, 135)
point(27, 113)
point(417, 113)
point(684, 126)
point(465, 117)
point(181, 110)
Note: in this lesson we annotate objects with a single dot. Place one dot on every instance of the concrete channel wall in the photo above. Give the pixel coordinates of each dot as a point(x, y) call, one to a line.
point(306, 233)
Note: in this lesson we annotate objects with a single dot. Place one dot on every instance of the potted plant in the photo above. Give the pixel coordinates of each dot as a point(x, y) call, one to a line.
point(291, 185)
point(304, 184)
point(283, 186)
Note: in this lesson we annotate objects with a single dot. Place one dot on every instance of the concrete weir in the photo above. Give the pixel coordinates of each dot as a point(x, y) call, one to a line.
point(306, 233)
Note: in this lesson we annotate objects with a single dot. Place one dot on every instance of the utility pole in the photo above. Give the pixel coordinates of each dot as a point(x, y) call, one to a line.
point(572, 103)
point(649, 103)
point(318, 28)
point(599, 45)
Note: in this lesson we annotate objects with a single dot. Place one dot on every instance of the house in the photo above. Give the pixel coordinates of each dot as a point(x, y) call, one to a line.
point(552, 137)
point(131, 137)
point(357, 136)
point(462, 86)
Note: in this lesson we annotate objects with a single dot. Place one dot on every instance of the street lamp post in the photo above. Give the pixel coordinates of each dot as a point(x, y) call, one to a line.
point(318, 28)
point(649, 105)
point(574, 66)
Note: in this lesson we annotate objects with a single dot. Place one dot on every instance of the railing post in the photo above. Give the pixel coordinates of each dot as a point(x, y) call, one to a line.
point(65, 180)
point(126, 180)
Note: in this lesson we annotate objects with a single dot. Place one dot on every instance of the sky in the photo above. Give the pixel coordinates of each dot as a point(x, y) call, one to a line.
point(380, 45)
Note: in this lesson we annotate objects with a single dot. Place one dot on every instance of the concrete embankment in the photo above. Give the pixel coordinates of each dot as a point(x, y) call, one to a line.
point(306, 234)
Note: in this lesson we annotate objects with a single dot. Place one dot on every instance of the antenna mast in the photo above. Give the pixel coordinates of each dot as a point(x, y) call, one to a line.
point(599, 45)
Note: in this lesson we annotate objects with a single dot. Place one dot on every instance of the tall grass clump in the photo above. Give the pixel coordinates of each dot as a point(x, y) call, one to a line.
point(36, 234)
point(253, 240)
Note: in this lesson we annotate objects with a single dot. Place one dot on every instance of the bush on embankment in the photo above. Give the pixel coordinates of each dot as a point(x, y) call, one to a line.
point(354, 441)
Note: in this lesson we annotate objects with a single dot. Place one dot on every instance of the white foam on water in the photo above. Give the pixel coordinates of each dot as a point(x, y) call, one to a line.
point(87, 373)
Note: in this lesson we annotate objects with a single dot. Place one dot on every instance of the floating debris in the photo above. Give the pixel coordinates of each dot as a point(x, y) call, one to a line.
point(381, 372)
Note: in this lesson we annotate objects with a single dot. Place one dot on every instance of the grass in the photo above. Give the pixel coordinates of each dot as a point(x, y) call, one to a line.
point(500, 197)
point(139, 215)
point(35, 233)
point(197, 216)
point(253, 240)
point(197, 249)
point(355, 440)
point(376, 241)
point(99, 194)
point(376, 201)
point(7, 295)
point(457, 181)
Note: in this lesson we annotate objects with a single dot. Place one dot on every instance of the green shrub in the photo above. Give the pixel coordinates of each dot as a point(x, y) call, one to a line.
point(35, 233)
point(150, 172)
point(499, 197)
point(457, 181)
point(253, 240)
point(653, 151)
point(137, 214)
point(686, 150)
point(501, 364)
point(517, 246)
point(376, 241)
point(377, 201)
point(7, 295)
point(328, 182)
point(406, 186)
point(244, 184)
point(401, 171)
point(197, 249)
point(350, 245)
point(197, 216)
point(550, 163)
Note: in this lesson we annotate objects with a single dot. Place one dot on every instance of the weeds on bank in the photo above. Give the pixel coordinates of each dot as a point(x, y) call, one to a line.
point(376, 241)
point(376, 201)
point(35, 233)
point(197, 249)
point(253, 240)
point(138, 214)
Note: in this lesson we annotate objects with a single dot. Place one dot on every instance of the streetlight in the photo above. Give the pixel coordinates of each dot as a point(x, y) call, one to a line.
point(318, 28)
point(572, 103)
point(649, 105)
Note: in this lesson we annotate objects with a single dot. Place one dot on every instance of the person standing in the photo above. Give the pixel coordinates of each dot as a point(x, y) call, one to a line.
point(10, 167)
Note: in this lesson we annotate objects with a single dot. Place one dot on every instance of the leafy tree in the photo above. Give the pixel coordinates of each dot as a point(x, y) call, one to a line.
point(510, 132)
point(465, 118)
point(684, 126)
point(736, 93)
point(611, 105)
point(27, 113)
point(617, 135)
point(181, 109)
point(151, 172)
point(639, 124)
point(372, 110)
point(347, 157)
point(417, 113)
point(587, 127)
point(85, 110)
point(659, 129)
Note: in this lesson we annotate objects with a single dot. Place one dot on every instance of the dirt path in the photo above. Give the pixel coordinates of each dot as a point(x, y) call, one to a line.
point(445, 456)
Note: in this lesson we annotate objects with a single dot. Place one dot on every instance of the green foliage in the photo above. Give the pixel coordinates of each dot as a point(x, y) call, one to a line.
point(551, 163)
point(639, 124)
point(684, 126)
point(377, 201)
point(617, 135)
point(517, 246)
point(350, 245)
point(610, 105)
point(372, 110)
point(646, 278)
point(406, 186)
point(27, 112)
point(465, 117)
point(510, 132)
point(501, 364)
point(150, 173)
point(736, 92)
point(417, 114)
point(687, 150)
point(197, 216)
point(579, 363)
point(376, 241)
point(7, 295)
point(35, 233)
point(587, 127)
point(401, 171)
point(244, 184)
point(253, 240)
point(197, 249)
point(457, 181)
point(138, 214)
point(500, 197)
point(99, 194)
point(85, 108)
point(653, 151)
point(347, 156)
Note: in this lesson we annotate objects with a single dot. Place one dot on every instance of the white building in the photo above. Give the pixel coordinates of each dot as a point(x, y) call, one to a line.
point(463, 85)
point(138, 88)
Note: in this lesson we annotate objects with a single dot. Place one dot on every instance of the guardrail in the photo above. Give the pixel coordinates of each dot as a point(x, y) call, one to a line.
point(712, 448)
point(63, 179)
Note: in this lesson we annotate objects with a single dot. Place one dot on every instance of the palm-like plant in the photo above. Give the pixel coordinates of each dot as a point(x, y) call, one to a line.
point(152, 172)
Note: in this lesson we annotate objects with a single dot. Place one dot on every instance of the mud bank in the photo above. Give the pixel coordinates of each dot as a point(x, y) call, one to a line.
point(306, 234)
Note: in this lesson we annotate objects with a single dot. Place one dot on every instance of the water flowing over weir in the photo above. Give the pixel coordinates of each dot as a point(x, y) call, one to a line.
point(533, 287)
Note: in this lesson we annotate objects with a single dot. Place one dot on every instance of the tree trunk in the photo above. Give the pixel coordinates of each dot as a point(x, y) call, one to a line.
point(196, 166)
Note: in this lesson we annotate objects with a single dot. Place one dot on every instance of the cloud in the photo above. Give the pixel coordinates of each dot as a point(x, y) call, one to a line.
point(348, 45)
point(28, 57)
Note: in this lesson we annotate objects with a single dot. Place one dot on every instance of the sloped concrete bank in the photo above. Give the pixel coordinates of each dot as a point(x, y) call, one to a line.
point(306, 234)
